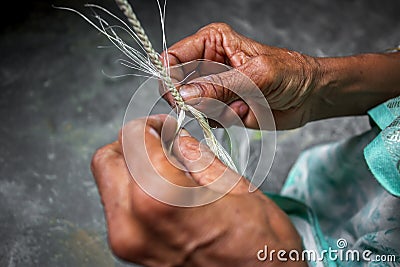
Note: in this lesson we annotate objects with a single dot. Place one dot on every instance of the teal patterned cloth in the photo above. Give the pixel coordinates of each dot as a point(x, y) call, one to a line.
point(349, 191)
point(383, 153)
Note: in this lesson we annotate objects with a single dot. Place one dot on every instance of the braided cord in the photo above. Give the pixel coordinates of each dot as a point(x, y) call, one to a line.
point(126, 8)
point(212, 142)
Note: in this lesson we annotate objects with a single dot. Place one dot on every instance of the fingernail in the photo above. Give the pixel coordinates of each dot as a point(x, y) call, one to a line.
point(189, 91)
point(243, 109)
point(154, 133)
point(183, 133)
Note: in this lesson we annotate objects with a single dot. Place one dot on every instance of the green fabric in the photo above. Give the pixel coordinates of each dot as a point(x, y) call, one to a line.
point(383, 115)
point(350, 190)
point(383, 153)
point(295, 208)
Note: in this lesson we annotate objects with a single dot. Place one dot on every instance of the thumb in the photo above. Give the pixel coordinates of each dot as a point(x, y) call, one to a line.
point(205, 168)
point(239, 83)
point(224, 86)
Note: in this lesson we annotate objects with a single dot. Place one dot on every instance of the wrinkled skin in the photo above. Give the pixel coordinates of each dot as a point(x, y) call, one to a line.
point(286, 78)
point(228, 232)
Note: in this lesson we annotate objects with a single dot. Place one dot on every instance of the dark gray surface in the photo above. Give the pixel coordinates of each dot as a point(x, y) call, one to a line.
point(57, 107)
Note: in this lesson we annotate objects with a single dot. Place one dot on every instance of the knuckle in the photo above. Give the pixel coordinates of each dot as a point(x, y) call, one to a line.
point(204, 179)
point(125, 246)
point(209, 90)
point(147, 208)
point(261, 60)
point(134, 126)
point(99, 156)
point(262, 70)
point(222, 86)
point(216, 27)
point(221, 26)
point(118, 244)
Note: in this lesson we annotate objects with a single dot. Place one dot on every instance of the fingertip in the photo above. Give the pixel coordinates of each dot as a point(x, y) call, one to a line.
point(234, 114)
point(184, 133)
point(169, 59)
point(240, 108)
point(186, 148)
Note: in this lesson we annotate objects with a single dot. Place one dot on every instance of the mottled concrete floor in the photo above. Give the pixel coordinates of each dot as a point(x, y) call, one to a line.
point(57, 106)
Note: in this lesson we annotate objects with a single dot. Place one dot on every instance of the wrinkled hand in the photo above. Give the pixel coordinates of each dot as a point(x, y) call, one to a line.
point(228, 232)
point(286, 78)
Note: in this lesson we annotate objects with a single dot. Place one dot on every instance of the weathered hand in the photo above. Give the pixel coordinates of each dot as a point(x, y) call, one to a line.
point(228, 232)
point(286, 78)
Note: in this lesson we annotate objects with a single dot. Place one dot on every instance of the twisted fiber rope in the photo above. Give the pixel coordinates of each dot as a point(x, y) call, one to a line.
point(126, 8)
point(212, 142)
